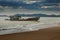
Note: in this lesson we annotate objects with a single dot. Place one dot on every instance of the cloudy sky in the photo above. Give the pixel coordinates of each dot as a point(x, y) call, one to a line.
point(53, 1)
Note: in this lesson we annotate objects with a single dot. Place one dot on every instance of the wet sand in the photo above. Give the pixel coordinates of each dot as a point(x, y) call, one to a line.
point(42, 34)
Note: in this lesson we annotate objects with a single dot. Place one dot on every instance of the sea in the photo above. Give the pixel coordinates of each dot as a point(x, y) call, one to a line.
point(8, 27)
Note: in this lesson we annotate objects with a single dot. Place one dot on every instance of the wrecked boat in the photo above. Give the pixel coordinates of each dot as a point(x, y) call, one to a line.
point(24, 17)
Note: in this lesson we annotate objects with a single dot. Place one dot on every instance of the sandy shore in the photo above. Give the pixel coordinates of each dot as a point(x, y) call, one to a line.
point(42, 34)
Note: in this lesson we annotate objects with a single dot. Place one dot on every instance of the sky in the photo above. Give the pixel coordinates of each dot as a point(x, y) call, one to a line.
point(54, 1)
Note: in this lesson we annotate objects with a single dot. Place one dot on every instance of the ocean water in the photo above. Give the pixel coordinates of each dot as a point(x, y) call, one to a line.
point(27, 11)
point(42, 20)
point(7, 27)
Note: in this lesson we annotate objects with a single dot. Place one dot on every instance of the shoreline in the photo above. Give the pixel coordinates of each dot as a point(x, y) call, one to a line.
point(42, 34)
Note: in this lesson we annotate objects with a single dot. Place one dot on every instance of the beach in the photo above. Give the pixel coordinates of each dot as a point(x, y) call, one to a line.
point(42, 34)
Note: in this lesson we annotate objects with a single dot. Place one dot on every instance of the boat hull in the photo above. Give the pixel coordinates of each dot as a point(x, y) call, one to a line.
point(29, 19)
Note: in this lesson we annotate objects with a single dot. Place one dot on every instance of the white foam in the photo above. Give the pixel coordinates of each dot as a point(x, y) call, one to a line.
point(7, 27)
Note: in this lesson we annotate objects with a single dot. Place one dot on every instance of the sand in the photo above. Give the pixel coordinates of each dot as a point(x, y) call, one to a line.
point(42, 34)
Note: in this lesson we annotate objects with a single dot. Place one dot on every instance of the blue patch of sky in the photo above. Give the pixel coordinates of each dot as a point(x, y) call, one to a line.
point(28, 6)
